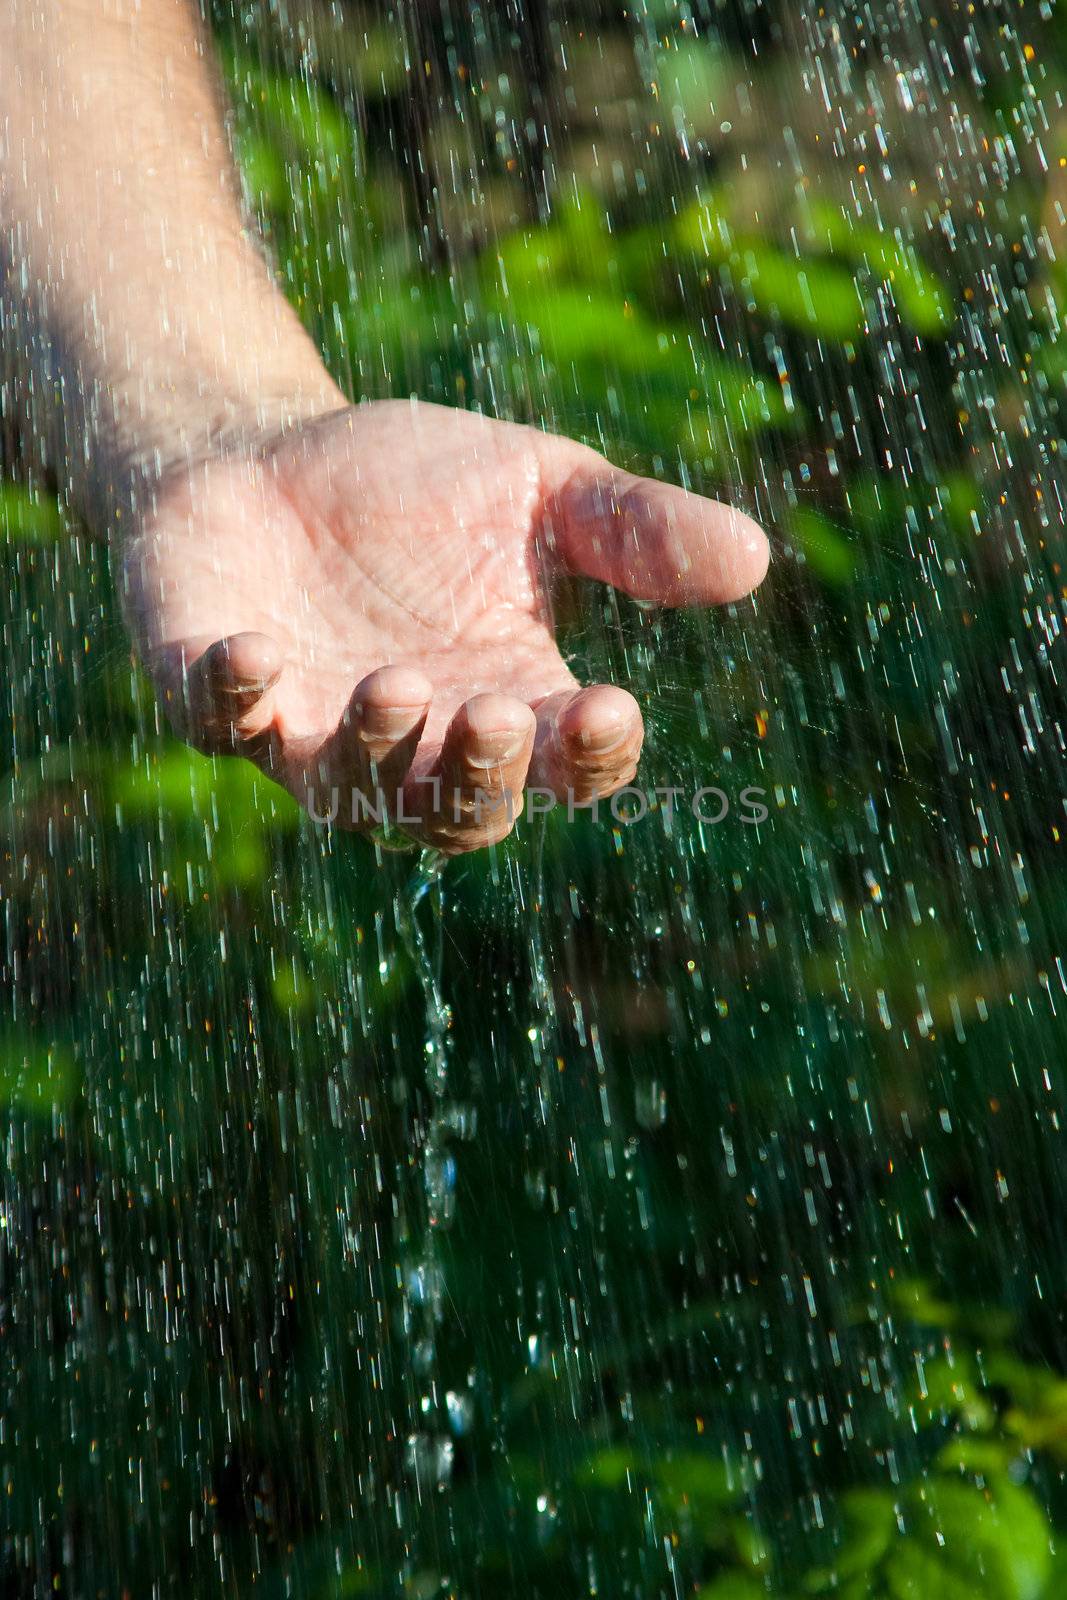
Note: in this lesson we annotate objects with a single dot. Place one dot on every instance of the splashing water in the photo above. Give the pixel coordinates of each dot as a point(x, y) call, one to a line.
point(638, 1208)
point(430, 1452)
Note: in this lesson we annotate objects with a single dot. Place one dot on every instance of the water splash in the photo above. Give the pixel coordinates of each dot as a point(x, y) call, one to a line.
point(430, 1449)
point(751, 1282)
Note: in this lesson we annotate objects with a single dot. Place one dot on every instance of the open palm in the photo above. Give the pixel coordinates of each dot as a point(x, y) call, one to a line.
point(363, 605)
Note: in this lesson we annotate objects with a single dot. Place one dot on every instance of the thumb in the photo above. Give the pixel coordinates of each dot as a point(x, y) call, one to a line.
point(652, 540)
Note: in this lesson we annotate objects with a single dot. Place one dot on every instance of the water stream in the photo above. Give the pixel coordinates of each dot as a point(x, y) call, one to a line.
point(637, 1209)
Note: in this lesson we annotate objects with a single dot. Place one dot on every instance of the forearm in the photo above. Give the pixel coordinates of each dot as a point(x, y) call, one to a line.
point(140, 321)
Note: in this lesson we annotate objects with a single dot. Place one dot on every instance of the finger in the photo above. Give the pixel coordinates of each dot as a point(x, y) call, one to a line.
point(652, 540)
point(367, 757)
point(588, 742)
point(220, 698)
point(472, 794)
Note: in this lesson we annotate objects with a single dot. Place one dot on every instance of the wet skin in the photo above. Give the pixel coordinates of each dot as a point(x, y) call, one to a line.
point(364, 603)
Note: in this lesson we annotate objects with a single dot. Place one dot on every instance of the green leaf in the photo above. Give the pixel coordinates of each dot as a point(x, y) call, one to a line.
point(875, 504)
point(700, 1478)
point(916, 1299)
point(293, 989)
point(915, 1573)
point(978, 1458)
point(263, 171)
point(188, 785)
point(240, 857)
point(34, 1077)
point(996, 1543)
point(297, 117)
point(528, 260)
point(809, 293)
point(608, 1469)
point(575, 247)
point(703, 228)
point(962, 499)
point(351, 1583)
point(1032, 1387)
point(732, 1586)
point(690, 75)
point(751, 1544)
point(583, 222)
point(408, 320)
point(689, 396)
point(951, 1389)
point(869, 1526)
point(571, 324)
point(813, 291)
point(29, 517)
point(1050, 362)
point(921, 297)
point(1041, 1424)
point(826, 551)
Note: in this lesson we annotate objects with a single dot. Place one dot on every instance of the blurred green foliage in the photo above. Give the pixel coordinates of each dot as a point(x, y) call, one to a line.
point(909, 1443)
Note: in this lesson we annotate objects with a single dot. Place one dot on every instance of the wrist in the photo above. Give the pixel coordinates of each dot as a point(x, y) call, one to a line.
point(203, 408)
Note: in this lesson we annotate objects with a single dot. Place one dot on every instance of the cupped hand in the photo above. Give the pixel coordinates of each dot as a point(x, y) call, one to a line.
point(361, 606)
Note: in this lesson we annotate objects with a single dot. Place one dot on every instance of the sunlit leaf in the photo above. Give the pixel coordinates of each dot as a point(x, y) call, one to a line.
point(997, 1542)
point(299, 115)
point(869, 1527)
point(263, 171)
point(608, 1469)
point(806, 292)
point(700, 1478)
point(181, 780)
point(825, 549)
point(36, 1077)
point(921, 296)
point(690, 75)
point(28, 516)
point(977, 1457)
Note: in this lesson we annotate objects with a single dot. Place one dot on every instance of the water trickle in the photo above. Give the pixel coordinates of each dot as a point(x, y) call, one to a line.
point(430, 1451)
point(647, 1207)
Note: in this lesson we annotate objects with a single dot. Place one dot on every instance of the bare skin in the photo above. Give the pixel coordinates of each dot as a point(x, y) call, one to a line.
point(401, 617)
point(352, 597)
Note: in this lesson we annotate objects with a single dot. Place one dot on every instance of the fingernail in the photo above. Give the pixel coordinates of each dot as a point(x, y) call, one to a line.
point(490, 749)
point(602, 741)
point(243, 687)
point(389, 722)
point(240, 665)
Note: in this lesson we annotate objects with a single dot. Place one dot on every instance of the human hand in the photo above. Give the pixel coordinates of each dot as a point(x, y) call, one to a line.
point(359, 600)
point(362, 604)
